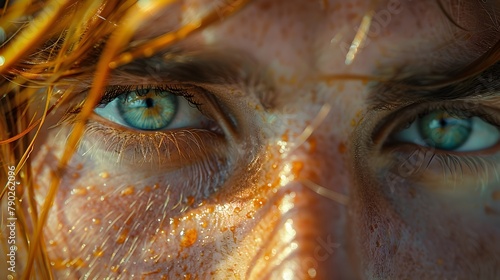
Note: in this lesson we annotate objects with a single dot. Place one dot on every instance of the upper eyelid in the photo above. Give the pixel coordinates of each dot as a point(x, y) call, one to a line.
point(202, 66)
point(386, 126)
point(399, 93)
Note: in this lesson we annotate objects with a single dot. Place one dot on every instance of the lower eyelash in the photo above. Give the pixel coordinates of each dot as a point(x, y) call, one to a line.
point(439, 170)
point(168, 149)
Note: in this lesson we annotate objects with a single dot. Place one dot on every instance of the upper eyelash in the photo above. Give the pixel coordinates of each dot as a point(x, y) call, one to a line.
point(112, 92)
point(386, 127)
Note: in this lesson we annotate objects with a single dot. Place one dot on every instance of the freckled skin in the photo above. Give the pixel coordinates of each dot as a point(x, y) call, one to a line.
point(263, 222)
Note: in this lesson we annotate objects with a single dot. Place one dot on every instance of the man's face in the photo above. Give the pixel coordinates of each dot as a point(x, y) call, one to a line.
point(302, 163)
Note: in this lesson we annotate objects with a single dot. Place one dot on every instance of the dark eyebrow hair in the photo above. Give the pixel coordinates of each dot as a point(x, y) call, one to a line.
point(205, 66)
point(399, 93)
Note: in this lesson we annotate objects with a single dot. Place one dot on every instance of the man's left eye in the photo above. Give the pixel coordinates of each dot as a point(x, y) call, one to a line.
point(449, 131)
point(152, 109)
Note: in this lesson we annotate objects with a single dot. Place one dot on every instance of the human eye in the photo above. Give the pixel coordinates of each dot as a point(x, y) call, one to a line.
point(152, 126)
point(152, 109)
point(450, 130)
point(443, 143)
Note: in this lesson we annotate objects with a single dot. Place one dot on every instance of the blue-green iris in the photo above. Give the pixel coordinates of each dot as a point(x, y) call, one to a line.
point(445, 131)
point(148, 109)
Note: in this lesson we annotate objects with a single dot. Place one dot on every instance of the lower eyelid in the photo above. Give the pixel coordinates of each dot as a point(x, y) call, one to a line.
point(164, 150)
point(436, 170)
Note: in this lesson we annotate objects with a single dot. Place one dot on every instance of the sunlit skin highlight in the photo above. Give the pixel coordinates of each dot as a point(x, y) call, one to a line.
point(289, 186)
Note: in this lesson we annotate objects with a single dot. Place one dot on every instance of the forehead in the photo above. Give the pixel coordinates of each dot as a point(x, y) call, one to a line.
point(320, 34)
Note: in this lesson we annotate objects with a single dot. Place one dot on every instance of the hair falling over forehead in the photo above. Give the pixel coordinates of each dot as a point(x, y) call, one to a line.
point(46, 42)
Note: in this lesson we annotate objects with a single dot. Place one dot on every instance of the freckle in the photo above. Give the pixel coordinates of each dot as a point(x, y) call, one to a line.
point(342, 148)
point(312, 144)
point(210, 209)
point(352, 16)
point(284, 137)
point(114, 268)
point(128, 191)
point(52, 243)
point(204, 224)
point(187, 276)
point(58, 264)
point(237, 210)
point(378, 244)
point(147, 189)
point(98, 252)
point(258, 202)
point(96, 221)
point(189, 238)
point(78, 263)
point(190, 200)
point(90, 188)
point(440, 261)
point(156, 186)
point(79, 191)
point(297, 167)
point(104, 175)
point(79, 166)
point(496, 195)
point(122, 237)
point(75, 175)
point(250, 214)
point(174, 222)
point(275, 166)
point(353, 123)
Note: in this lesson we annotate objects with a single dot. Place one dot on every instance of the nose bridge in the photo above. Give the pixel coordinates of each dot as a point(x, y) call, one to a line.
point(317, 158)
point(314, 187)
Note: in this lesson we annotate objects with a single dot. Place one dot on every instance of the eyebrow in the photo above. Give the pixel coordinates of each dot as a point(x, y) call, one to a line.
point(420, 89)
point(204, 66)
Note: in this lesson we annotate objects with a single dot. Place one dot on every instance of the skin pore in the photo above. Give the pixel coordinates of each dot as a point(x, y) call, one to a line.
point(292, 175)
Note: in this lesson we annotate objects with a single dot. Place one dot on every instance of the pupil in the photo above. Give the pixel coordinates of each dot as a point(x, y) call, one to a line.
point(149, 102)
point(443, 122)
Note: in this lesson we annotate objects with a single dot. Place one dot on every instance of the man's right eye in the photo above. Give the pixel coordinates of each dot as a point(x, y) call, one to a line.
point(153, 109)
point(167, 128)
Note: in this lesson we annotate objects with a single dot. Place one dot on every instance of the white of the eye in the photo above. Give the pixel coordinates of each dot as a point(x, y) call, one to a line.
point(483, 136)
point(187, 115)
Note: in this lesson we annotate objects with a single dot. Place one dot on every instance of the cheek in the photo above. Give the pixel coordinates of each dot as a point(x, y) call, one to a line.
point(116, 220)
point(405, 229)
